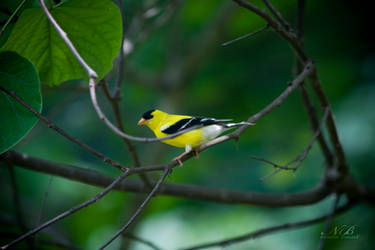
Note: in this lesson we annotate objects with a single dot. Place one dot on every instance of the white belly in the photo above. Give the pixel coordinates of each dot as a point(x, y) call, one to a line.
point(211, 132)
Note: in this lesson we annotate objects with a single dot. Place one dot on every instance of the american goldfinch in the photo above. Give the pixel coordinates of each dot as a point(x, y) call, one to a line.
point(164, 124)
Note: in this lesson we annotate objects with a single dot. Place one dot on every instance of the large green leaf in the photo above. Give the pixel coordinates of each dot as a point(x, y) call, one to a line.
point(20, 76)
point(94, 27)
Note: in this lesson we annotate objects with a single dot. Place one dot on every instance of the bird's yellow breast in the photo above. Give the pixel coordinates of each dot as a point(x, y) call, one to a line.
point(193, 138)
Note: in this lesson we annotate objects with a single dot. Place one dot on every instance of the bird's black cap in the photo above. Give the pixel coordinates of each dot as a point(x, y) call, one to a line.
point(148, 115)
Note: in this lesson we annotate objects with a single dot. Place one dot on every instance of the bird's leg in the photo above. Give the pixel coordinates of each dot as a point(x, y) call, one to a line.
point(188, 149)
point(196, 152)
point(178, 158)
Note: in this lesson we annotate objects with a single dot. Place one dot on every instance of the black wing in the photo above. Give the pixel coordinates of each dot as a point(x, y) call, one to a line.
point(190, 122)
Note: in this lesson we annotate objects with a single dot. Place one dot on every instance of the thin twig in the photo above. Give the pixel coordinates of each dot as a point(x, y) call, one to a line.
point(62, 132)
point(314, 121)
point(11, 17)
point(302, 156)
point(331, 124)
point(269, 230)
point(42, 208)
point(51, 243)
point(64, 36)
point(247, 35)
point(290, 36)
point(277, 15)
point(141, 240)
point(116, 110)
point(117, 115)
point(329, 222)
point(139, 210)
point(68, 212)
point(306, 100)
point(277, 101)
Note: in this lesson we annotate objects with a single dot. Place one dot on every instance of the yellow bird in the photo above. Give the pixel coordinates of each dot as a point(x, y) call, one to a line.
point(164, 124)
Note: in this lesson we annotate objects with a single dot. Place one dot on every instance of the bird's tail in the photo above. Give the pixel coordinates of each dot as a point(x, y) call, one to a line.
point(234, 125)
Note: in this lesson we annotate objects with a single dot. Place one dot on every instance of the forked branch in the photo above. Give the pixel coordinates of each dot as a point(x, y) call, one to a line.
point(300, 158)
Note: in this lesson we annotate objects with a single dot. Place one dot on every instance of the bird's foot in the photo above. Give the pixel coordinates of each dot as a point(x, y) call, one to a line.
point(196, 153)
point(178, 159)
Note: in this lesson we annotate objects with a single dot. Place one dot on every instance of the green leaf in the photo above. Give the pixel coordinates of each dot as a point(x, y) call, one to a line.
point(19, 75)
point(94, 27)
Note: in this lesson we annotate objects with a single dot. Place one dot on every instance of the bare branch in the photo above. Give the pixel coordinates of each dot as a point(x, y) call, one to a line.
point(317, 86)
point(129, 145)
point(141, 240)
point(64, 36)
point(11, 17)
point(280, 99)
point(329, 221)
point(269, 230)
point(246, 36)
point(139, 210)
point(287, 35)
point(313, 117)
point(277, 15)
point(331, 124)
point(51, 242)
point(68, 212)
point(62, 132)
point(42, 208)
point(308, 104)
point(219, 195)
point(117, 114)
point(302, 156)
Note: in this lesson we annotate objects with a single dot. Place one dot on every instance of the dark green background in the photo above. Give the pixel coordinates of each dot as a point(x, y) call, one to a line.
point(226, 82)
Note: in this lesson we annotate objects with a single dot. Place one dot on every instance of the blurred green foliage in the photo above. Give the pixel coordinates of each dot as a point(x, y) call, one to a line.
point(225, 82)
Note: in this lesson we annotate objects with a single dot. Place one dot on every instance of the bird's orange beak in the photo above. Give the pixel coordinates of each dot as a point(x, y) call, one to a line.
point(142, 121)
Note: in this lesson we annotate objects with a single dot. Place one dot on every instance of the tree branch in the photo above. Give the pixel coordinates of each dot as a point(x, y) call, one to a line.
point(269, 230)
point(64, 36)
point(331, 124)
point(309, 107)
point(329, 222)
point(129, 145)
point(287, 35)
point(247, 35)
point(42, 207)
point(139, 210)
point(12, 16)
point(62, 132)
point(299, 159)
point(314, 121)
point(296, 45)
point(177, 190)
point(143, 241)
point(68, 212)
point(277, 15)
